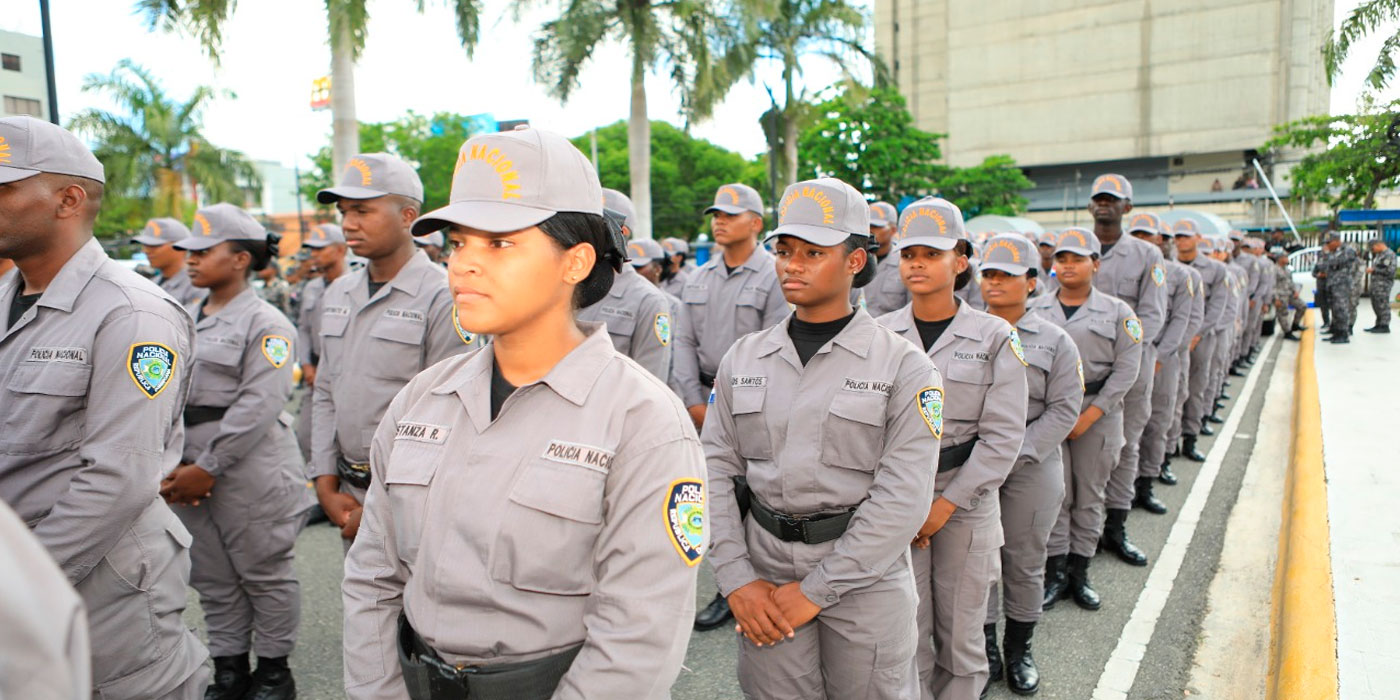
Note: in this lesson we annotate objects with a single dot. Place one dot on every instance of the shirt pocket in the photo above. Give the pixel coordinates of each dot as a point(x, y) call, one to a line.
point(218, 369)
point(748, 311)
point(750, 427)
point(407, 478)
point(1127, 290)
point(694, 294)
point(620, 328)
point(549, 531)
point(965, 384)
point(45, 399)
point(852, 433)
point(397, 348)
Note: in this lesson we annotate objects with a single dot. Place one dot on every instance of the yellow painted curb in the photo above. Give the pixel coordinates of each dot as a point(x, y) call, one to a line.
point(1303, 661)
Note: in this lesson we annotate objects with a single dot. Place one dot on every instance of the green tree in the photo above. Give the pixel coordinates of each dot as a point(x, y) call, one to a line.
point(154, 151)
point(870, 142)
point(1363, 21)
point(1360, 155)
point(429, 143)
point(994, 187)
point(685, 173)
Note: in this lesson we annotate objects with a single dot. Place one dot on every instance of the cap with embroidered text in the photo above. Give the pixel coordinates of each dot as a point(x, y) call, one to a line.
point(1112, 184)
point(823, 212)
point(1080, 241)
point(322, 235)
point(1186, 228)
point(162, 232)
point(373, 175)
point(217, 223)
point(1011, 253)
point(1148, 223)
point(736, 198)
point(932, 222)
point(644, 251)
point(30, 146)
point(675, 246)
point(883, 214)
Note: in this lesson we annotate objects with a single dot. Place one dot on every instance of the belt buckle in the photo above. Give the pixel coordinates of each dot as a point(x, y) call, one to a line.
point(793, 529)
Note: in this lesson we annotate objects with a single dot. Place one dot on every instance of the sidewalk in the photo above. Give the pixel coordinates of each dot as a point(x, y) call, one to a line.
point(1357, 384)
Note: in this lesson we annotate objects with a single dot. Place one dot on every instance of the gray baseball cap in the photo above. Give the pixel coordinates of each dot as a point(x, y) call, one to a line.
point(883, 214)
point(1145, 222)
point(1223, 245)
point(1186, 227)
point(1236, 234)
point(933, 222)
point(676, 246)
point(621, 205)
point(736, 198)
point(1114, 184)
point(222, 222)
point(823, 212)
point(323, 235)
point(1011, 253)
point(435, 238)
point(372, 175)
point(1049, 238)
point(1080, 241)
point(513, 180)
point(644, 251)
point(162, 232)
point(30, 146)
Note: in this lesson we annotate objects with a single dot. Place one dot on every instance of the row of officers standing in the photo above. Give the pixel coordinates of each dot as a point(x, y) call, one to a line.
point(901, 439)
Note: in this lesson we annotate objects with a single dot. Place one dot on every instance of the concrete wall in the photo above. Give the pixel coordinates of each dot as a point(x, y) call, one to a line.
point(29, 82)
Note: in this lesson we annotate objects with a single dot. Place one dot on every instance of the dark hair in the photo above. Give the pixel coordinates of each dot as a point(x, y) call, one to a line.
point(569, 229)
point(963, 248)
point(262, 251)
point(866, 275)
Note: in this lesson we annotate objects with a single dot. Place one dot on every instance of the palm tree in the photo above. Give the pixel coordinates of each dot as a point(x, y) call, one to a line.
point(346, 21)
point(154, 148)
point(1364, 20)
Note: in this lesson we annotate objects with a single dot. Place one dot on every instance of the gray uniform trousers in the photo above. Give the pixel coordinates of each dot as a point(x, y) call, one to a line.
point(862, 647)
point(1380, 300)
point(967, 550)
point(1153, 447)
point(1202, 359)
point(303, 428)
point(1220, 364)
point(1137, 411)
point(1183, 389)
point(1089, 461)
point(1031, 498)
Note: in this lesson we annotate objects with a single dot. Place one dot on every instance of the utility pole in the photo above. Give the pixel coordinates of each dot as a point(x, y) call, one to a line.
point(48, 60)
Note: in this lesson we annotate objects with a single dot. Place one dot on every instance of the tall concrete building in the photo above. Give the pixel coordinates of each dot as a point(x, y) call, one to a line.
point(22, 83)
point(1175, 94)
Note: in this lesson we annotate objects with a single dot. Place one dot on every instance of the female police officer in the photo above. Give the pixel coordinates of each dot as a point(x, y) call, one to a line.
point(239, 448)
point(537, 509)
point(829, 425)
point(1033, 491)
point(956, 552)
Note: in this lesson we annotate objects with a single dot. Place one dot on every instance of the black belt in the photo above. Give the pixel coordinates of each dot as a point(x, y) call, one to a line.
point(814, 529)
point(708, 380)
point(954, 457)
point(356, 475)
point(1091, 388)
point(194, 415)
point(428, 677)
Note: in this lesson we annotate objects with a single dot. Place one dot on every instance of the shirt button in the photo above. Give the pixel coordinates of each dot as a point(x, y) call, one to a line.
point(975, 501)
point(831, 599)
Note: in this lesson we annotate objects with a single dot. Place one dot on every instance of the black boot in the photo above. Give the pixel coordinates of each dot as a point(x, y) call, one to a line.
point(1144, 499)
point(1339, 339)
point(993, 653)
point(1055, 583)
point(1205, 426)
point(1223, 396)
point(1214, 417)
point(273, 680)
point(1176, 450)
point(1115, 539)
point(232, 678)
point(1022, 677)
point(1167, 476)
point(1290, 335)
point(1235, 371)
point(1078, 580)
point(1188, 448)
point(715, 614)
point(1219, 404)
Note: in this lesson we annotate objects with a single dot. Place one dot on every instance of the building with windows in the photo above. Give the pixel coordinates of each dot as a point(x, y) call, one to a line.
point(23, 86)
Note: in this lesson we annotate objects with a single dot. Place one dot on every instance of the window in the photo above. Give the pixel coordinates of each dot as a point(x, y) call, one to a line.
point(21, 106)
point(9, 61)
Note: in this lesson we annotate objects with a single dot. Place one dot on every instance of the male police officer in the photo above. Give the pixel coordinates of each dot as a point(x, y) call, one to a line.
point(156, 242)
point(887, 292)
point(1382, 271)
point(379, 327)
point(326, 248)
point(94, 362)
point(1338, 269)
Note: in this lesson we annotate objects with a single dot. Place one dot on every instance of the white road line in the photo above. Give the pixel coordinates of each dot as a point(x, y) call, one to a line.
point(1122, 668)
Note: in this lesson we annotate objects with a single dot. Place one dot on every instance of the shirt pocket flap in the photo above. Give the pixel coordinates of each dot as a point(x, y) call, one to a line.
point(51, 378)
point(1104, 330)
point(398, 331)
point(219, 354)
point(568, 491)
point(620, 325)
point(969, 372)
point(695, 294)
point(751, 296)
point(861, 408)
point(412, 463)
point(747, 400)
point(334, 324)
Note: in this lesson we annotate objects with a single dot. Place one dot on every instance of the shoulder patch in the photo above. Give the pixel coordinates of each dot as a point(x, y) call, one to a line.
point(930, 403)
point(1015, 342)
point(1134, 328)
point(685, 518)
point(662, 326)
point(277, 349)
point(1159, 276)
point(151, 366)
point(462, 333)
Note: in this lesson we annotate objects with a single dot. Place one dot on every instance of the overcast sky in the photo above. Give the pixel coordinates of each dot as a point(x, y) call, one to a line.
point(274, 49)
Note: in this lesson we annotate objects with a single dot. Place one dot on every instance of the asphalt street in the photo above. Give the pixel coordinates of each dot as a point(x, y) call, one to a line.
point(1071, 645)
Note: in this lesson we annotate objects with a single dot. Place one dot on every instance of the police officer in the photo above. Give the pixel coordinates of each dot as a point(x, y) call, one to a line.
point(156, 242)
point(1382, 272)
point(649, 259)
point(677, 268)
point(1236, 311)
point(1287, 302)
point(828, 423)
point(1171, 404)
point(93, 361)
point(1110, 339)
point(325, 245)
point(731, 295)
point(273, 289)
point(1035, 488)
point(241, 484)
point(636, 313)
point(537, 508)
point(379, 326)
point(956, 553)
point(1194, 249)
point(1337, 269)
point(887, 292)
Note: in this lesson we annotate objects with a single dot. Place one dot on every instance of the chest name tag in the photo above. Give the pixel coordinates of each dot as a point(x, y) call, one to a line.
point(421, 432)
point(405, 314)
point(867, 386)
point(586, 456)
point(335, 311)
point(978, 356)
point(754, 382)
point(76, 355)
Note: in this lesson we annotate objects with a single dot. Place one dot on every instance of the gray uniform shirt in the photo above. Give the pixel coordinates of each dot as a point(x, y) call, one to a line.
point(984, 374)
point(1132, 271)
point(725, 307)
point(676, 284)
point(1217, 292)
point(846, 431)
point(309, 322)
point(1180, 308)
point(1054, 383)
point(1108, 348)
point(886, 292)
point(179, 286)
point(577, 516)
point(370, 348)
point(1198, 304)
point(638, 318)
point(91, 404)
point(1236, 307)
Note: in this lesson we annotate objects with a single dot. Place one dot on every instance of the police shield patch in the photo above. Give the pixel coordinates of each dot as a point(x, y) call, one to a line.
point(1134, 328)
point(462, 333)
point(685, 519)
point(662, 326)
point(277, 349)
point(1016, 349)
point(151, 366)
point(1159, 277)
point(930, 400)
